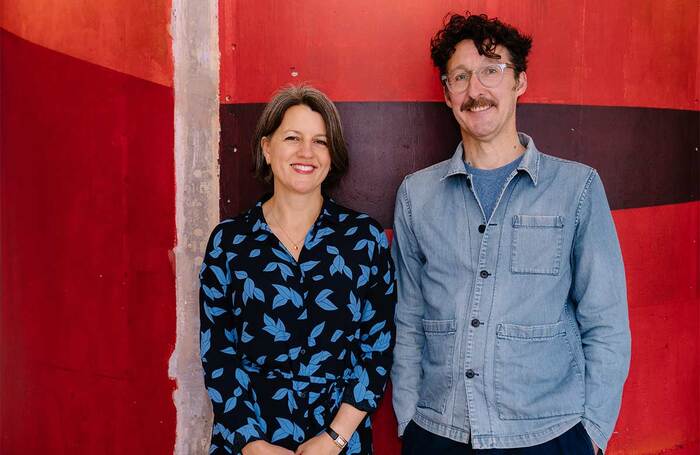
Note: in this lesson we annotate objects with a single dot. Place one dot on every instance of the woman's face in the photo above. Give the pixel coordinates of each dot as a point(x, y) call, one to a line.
point(298, 152)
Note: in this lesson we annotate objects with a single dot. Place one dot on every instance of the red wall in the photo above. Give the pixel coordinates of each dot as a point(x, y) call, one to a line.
point(87, 196)
point(612, 84)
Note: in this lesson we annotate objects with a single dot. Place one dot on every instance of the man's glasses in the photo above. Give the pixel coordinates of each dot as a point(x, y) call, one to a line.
point(489, 75)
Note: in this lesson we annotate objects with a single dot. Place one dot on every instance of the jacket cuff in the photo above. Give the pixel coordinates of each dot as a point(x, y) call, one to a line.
point(595, 434)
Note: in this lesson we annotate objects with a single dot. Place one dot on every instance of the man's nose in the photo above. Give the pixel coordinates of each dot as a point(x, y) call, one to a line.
point(474, 86)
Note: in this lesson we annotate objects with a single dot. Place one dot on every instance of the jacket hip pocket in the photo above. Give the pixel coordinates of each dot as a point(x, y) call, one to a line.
point(536, 374)
point(537, 244)
point(437, 363)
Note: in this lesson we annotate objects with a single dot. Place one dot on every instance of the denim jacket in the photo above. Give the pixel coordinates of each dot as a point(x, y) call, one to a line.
point(509, 331)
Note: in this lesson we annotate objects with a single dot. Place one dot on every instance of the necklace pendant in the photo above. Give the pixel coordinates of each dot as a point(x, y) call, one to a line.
point(296, 247)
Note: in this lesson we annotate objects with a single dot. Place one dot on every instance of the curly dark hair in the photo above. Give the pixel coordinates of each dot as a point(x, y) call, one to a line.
point(486, 34)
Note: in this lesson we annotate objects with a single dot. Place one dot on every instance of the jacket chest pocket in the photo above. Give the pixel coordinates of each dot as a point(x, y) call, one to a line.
point(537, 244)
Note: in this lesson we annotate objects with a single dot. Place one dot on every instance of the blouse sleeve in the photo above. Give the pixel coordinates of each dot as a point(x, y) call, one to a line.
point(377, 330)
point(237, 419)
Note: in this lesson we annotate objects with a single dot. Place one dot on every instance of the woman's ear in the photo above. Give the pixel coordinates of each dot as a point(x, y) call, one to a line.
point(265, 144)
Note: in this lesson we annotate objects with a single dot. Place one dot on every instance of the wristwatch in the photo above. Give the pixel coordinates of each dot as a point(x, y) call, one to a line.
point(337, 439)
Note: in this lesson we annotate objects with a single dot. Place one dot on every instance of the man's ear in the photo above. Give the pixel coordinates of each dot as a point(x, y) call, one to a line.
point(446, 93)
point(521, 84)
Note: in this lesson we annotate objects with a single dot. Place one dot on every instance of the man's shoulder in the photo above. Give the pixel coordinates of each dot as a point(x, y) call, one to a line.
point(428, 175)
point(555, 167)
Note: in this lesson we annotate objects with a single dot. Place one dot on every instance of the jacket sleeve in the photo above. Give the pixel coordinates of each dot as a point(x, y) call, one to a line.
point(600, 294)
point(237, 419)
point(370, 375)
point(406, 373)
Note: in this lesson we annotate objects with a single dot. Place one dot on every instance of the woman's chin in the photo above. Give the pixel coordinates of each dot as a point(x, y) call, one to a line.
point(301, 189)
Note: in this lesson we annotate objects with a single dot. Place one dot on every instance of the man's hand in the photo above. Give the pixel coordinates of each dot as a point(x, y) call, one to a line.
point(318, 445)
point(261, 447)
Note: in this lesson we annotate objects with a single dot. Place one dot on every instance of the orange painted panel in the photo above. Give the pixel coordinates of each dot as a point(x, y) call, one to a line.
point(130, 36)
point(598, 52)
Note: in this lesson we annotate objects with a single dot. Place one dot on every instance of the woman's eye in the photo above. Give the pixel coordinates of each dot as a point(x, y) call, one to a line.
point(291, 138)
point(322, 142)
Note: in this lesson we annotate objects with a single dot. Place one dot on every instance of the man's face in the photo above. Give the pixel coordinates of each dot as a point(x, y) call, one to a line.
point(484, 113)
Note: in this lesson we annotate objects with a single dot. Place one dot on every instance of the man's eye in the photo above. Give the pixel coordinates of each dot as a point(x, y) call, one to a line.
point(490, 70)
point(459, 77)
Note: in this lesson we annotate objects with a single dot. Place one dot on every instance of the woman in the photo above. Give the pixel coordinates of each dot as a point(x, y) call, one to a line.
point(297, 298)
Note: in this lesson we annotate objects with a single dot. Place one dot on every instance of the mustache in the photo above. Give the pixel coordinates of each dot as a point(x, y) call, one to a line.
point(471, 103)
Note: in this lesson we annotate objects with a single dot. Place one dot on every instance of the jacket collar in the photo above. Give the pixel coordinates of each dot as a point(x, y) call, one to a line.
point(529, 164)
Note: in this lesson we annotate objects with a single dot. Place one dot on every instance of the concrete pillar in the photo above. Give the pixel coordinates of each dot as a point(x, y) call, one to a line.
point(196, 81)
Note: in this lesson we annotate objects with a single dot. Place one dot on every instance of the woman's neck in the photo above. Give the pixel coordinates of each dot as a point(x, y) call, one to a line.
point(294, 211)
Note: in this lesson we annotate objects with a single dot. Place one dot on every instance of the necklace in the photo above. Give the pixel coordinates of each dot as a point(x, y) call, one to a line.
point(289, 237)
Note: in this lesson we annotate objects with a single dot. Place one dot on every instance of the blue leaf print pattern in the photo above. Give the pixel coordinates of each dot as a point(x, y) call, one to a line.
point(230, 404)
point(276, 328)
point(216, 250)
point(308, 265)
point(283, 342)
point(214, 395)
point(323, 302)
point(288, 428)
point(204, 343)
point(314, 333)
point(354, 307)
point(284, 295)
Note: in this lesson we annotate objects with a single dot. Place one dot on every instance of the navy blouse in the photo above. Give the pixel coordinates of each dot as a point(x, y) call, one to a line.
point(285, 342)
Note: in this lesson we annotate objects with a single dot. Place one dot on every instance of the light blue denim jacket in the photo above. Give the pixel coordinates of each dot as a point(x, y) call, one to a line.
point(510, 336)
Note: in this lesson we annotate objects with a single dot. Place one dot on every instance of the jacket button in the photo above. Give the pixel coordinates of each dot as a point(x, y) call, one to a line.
point(470, 374)
point(482, 228)
point(484, 274)
point(476, 323)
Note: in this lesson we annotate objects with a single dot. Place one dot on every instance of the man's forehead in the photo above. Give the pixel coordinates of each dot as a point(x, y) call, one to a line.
point(456, 62)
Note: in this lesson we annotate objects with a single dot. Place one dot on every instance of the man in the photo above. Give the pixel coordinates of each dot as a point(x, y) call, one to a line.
point(512, 326)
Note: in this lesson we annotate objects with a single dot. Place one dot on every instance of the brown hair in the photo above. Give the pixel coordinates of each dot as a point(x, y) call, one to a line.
point(271, 118)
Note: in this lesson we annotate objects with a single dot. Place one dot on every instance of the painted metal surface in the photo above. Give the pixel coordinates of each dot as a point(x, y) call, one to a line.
point(129, 36)
point(624, 78)
point(595, 52)
point(383, 149)
point(88, 290)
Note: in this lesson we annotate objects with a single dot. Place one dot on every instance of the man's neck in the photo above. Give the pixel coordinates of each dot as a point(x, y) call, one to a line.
point(491, 154)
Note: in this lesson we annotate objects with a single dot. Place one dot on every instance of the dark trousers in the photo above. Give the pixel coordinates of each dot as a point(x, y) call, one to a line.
point(417, 441)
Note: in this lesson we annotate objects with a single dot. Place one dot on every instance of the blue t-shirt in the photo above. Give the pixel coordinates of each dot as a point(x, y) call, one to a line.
point(487, 183)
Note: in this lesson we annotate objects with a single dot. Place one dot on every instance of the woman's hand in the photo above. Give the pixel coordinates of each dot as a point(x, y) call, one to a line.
point(318, 445)
point(261, 447)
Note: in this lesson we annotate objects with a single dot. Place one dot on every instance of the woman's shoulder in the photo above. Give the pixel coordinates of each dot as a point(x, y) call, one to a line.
point(238, 226)
point(354, 222)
